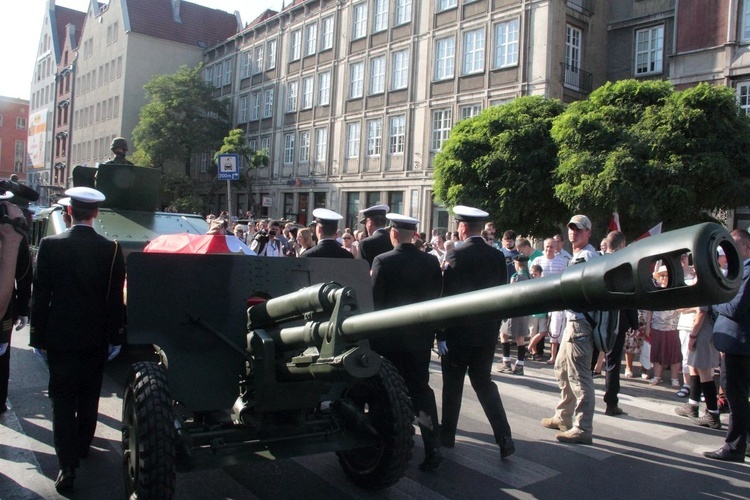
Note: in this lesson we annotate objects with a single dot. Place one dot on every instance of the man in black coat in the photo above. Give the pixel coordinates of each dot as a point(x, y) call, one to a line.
point(327, 223)
point(378, 240)
point(76, 324)
point(406, 275)
point(472, 266)
point(732, 337)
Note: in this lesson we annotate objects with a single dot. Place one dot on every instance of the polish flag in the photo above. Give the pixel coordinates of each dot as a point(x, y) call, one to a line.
point(614, 222)
point(651, 232)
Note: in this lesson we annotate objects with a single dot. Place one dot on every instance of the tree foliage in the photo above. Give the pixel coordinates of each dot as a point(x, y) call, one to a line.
point(234, 143)
point(653, 154)
point(182, 118)
point(502, 161)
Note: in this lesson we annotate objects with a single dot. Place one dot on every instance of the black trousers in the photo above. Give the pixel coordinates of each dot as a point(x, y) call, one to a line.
point(612, 365)
point(414, 367)
point(737, 392)
point(478, 362)
point(4, 374)
point(75, 381)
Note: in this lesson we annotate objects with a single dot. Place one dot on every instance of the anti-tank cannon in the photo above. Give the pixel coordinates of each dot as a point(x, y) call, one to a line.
point(294, 374)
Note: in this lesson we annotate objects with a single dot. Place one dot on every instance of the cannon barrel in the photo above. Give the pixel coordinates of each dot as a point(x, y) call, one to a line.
point(614, 281)
point(292, 306)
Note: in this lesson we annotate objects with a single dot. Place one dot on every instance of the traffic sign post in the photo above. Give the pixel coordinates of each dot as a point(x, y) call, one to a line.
point(229, 170)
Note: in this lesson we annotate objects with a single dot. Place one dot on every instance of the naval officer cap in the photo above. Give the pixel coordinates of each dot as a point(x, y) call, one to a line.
point(374, 211)
point(6, 195)
point(469, 214)
point(402, 221)
point(327, 217)
point(85, 197)
point(64, 202)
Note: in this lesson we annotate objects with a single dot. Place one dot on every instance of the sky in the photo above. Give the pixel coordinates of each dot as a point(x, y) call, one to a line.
point(21, 28)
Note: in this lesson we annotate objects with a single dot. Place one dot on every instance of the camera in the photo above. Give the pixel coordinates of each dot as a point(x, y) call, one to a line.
point(272, 232)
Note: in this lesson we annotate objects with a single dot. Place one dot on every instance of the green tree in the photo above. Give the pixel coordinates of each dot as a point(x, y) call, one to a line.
point(653, 154)
point(234, 143)
point(179, 189)
point(182, 118)
point(502, 161)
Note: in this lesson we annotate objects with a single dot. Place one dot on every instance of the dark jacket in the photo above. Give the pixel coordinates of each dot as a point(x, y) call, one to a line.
point(77, 301)
point(405, 275)
point(732, 326)
point(328, 248)
point(374, 245)
point(19, 302)
point(474, 265)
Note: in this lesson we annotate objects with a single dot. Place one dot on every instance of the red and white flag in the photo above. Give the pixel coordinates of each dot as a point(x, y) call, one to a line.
point(614, 222)
point(651, 232)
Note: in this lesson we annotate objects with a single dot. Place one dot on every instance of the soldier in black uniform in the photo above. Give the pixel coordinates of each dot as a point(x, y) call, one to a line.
point(327, 223)
point(472, 266)
point(76, 324)
point(378, 240)
point(119, 147)
point(15, 283)
point(403, 276)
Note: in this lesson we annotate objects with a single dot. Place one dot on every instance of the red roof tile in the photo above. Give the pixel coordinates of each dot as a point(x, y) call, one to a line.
point(200, 26)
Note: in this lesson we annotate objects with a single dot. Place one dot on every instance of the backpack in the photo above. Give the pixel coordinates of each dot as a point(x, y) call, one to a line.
point(604, 325)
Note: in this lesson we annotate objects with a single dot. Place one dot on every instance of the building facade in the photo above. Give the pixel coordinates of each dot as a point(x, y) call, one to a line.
point(14, 119)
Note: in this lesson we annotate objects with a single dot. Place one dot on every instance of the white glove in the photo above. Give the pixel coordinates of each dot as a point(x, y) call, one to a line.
point(21, 322)
point(114, 350)
point(41, 354)
point(3, 348)
point(442, 347)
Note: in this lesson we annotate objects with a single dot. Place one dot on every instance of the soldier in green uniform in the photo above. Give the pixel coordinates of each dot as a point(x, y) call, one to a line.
point(120, 148)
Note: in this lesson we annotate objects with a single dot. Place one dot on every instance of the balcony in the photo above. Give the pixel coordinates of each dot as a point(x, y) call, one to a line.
point(576, 79)
point(584, 6)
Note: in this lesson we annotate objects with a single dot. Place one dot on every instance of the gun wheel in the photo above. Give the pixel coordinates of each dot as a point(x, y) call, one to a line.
point(148, 435)
point(385, 400)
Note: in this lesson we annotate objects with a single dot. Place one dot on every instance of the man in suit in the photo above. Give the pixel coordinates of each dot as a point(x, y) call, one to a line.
point(76, 325)
point(326, 225)
point(732, 337)
point(403, 276)
point(15, 275)
point(472, 266)
point(378, 240)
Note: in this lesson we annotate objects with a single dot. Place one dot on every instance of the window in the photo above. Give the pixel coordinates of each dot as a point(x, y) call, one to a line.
point(360, 20)
point(446, 4)
point(244, 108)
point(268, 103)
point(255, 106)
point(227, 72)
point(258, 59)
point(288, 148)
point(470, 111)
point(403, 11)
point(573, 48)
point(743, 96)
point(381, 15)
point(473, 52)
point(116, 106)
point(20, 123)
point(311, 38)
point(400, 70)
point(304, 147)
point(19, 156)
point(356, 80)
point(353, 132)
point(307, 92)
point(746, 21)
point(291, 98)
point(326, 39)
point(295, 48)
point(374, 137)
point(445, 55)
point(377, 75)
point(396, 134)
point(506, 44)
point(321, 140)
point(441, 127)
point(265, 144)
point(217, 75)
point(271, 54)
point(115, 31)
point(649, 50)
point(324, 88)
point(247, 64)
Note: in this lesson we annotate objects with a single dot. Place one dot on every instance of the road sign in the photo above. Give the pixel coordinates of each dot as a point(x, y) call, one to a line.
point(229, 167)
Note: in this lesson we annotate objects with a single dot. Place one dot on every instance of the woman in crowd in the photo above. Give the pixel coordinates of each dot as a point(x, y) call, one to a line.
point(304, 240)
point(347, 241)
point(661, 331)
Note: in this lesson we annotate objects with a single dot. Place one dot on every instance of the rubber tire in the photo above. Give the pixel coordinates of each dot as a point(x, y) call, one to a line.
point(148, 434)
point(389, 407)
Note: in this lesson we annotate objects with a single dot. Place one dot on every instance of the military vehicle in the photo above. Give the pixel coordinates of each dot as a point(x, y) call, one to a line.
point(265, 358)
point(128, 215)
